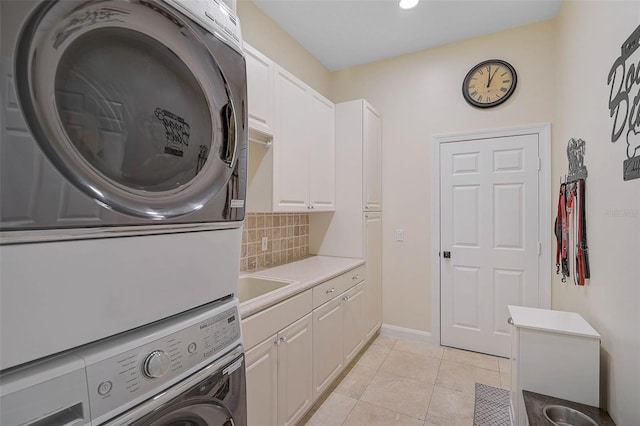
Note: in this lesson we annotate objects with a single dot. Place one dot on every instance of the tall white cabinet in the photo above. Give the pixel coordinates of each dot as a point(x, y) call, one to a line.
point(373, 255)
point(355, 229)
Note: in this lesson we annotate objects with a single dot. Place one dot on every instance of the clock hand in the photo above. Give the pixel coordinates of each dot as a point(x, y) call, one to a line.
point(491, 78)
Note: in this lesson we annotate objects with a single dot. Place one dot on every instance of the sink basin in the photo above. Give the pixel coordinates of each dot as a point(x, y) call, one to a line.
point(564, 416)
point(252, 287)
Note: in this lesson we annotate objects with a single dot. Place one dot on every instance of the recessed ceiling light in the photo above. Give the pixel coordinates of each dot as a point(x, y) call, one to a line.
point(408, 4)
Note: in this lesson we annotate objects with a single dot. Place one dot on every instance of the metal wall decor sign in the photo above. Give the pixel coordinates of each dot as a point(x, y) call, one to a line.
point(624, 102)
point(575, 153)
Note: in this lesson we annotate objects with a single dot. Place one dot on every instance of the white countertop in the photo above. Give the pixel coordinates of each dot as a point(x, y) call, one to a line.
point(304, 273)
point(550, 320)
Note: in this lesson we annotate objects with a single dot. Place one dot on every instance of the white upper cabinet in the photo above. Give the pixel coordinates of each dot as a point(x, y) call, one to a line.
point(259, 90)
point(304, 147)
point(290, 150)
point(372, 153)
point(322, 154)
point(297, 172)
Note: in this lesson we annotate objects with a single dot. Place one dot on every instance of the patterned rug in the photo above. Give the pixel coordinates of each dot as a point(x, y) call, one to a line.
point(491, 407)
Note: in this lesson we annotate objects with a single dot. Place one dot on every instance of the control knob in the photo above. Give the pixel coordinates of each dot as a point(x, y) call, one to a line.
point(156, 364)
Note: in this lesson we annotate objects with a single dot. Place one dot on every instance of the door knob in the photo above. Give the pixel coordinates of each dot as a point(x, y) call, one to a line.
point(446, 254)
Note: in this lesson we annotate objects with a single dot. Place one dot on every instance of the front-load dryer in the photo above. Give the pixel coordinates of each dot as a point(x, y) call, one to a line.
point(120, 115)
point(119, 118)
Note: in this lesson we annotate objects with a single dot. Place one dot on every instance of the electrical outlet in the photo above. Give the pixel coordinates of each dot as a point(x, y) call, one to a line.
point(265, 240)
point(399, 235)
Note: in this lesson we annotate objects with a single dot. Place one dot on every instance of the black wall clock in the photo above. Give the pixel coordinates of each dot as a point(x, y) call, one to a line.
point(489, 83)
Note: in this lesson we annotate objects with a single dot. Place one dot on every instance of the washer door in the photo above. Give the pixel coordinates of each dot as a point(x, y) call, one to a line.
point(128, 103)
point(193, 413)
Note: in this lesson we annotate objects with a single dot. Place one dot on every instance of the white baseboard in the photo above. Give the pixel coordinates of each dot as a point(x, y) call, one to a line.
point(407, 333)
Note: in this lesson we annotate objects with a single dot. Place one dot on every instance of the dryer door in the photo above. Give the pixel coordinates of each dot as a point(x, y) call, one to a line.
point(129, 104)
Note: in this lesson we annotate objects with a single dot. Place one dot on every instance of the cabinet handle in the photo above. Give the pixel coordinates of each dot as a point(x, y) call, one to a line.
point(330, 291)
point(345, 298)
point(283, 339)
point(510, 321)
point(276, 342)
point(357, 277)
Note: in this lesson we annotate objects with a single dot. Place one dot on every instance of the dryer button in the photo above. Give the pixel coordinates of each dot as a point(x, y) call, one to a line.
point(104, 387)
point(156, 364)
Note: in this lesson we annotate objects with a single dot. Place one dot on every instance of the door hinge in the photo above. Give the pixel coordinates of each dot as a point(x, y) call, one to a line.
point(539, 248)
point(539, 164)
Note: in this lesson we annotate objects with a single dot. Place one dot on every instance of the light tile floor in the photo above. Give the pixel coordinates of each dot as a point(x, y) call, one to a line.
point(402, 382)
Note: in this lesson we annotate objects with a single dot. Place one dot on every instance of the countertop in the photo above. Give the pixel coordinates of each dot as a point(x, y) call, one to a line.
point(305, 273)
point(551, 320)
point(535, 403)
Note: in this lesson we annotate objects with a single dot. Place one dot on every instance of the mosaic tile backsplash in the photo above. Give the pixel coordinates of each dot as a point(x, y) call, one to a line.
point(287, 239)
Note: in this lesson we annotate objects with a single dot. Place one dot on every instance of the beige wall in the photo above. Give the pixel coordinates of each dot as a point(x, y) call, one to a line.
point(261, 32)
point(418, 96)
point(589, 38)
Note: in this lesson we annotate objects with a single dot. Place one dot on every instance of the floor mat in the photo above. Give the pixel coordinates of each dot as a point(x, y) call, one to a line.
point(491, 406)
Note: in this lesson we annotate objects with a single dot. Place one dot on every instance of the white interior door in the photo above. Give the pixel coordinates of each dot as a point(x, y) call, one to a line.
point(489, 225)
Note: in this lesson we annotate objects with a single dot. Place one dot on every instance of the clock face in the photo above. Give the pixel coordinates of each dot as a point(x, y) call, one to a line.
point(489, 83)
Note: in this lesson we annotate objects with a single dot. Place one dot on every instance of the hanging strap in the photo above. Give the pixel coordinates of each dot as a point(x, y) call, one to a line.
point(558, 229)
point(566, 211)
point(562, 234)
point(582, 256)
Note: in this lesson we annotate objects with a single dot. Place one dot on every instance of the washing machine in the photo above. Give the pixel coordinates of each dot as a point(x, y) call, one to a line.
point(123, 153)
point(187, 370)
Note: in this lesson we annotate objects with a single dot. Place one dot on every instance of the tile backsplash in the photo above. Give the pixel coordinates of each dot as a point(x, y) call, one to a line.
point(287, 239)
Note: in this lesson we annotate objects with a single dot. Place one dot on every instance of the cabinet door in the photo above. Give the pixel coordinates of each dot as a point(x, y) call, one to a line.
point(355, 310)
point(327, 344)
point(373, 257)
point(290, 146)
point(322, 150)
point(259, 90)
point(295, 371)
point(372, 134)
point(262, 383)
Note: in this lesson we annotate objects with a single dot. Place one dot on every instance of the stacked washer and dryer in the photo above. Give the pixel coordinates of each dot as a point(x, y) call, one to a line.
point(123, 159)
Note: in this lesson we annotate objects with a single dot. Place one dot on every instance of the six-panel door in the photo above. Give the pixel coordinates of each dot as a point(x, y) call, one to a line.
point(489, 224)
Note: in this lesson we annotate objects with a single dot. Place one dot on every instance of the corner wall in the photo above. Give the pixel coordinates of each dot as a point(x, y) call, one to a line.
point(589, 38)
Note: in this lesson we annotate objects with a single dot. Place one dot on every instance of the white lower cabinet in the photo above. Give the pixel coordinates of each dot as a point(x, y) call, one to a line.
point(279, 376)
point(327, 344)
point(295, 366)
point(262, 383)
point(355, 321)
point(310, 338)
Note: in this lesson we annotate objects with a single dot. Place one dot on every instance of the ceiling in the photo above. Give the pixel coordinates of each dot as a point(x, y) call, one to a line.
point(344, 33)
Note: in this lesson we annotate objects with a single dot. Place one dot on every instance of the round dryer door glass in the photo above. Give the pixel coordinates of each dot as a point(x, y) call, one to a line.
point(133, 110)
point(140, 116)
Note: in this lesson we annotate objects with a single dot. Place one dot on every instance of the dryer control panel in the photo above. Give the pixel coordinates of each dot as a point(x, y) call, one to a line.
point(214, 16)
point(122, 374)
